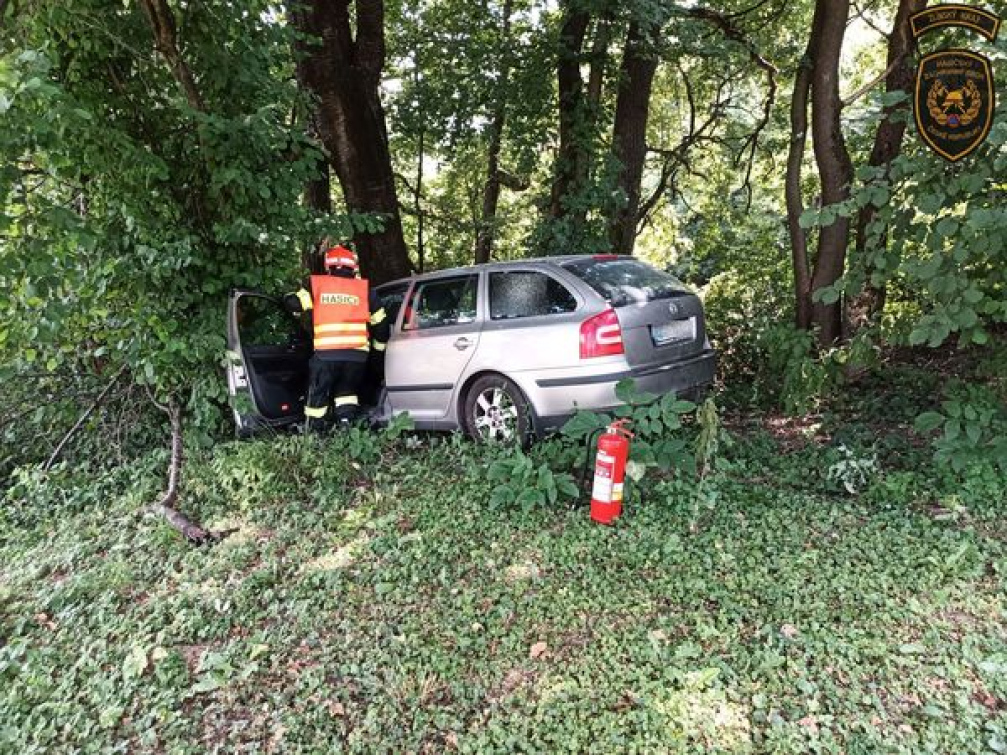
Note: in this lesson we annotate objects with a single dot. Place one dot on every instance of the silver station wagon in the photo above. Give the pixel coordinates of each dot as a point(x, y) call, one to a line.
point(502, 351)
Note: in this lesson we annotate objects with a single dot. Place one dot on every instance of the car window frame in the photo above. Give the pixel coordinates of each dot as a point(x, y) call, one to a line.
point(571, 291)
point(297, 326)
point(420, 282)
point(406, 286)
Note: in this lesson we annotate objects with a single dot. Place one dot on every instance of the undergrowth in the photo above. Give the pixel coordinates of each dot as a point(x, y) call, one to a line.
point(381, 594)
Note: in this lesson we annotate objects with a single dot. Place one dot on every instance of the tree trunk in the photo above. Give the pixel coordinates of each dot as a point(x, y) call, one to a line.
point(571, 160)
point(629, 134)
point(795, 163)
point(344, 72)
point(604, 30)
point(318, 197)
point(834, 165)
point(318, 190)
point(887, 146)
point(491, 189)
point(421, 251)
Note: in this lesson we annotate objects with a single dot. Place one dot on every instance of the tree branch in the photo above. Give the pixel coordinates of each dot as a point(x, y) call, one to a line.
point(512, 182)
point(861, 13)
point(875, 81)
point(748, 11)
point(81, 420)
point(162, 24)
point(725, 24)
point(677, 156)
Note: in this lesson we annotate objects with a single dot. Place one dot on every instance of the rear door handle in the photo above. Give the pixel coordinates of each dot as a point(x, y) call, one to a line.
point(462, 343)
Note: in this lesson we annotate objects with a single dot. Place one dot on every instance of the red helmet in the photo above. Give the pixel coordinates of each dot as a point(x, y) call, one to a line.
point(340, 256)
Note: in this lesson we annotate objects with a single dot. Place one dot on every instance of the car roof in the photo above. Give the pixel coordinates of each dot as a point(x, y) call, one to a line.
point(501, 265)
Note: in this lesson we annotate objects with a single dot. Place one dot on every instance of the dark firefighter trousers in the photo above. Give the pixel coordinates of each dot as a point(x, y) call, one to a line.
point(335, 383)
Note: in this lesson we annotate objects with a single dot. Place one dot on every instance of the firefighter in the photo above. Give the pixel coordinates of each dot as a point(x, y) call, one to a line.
point(348, 322)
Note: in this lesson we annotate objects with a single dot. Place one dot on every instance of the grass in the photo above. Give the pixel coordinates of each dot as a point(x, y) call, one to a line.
point(372, 600)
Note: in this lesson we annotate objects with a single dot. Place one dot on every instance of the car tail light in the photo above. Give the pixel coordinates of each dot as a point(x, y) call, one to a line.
point(601, 336)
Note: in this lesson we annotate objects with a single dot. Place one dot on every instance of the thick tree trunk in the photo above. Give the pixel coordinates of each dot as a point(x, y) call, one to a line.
point(571, 160)
point(629, 134)
point(795, 162)
point(887, 146)
point(344, 72)
point(834, 165)
point(318, 190)
point(318, 197)
point(604, 29)
point(491, 189)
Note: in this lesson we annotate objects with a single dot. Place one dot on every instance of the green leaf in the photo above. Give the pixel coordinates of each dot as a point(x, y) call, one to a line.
point(566, 486)
point(627, 392)
point(502, 495)
point(208, 683)
point(928, 422)
point(681, 406)
point(135, 663)
point(828, 295)
point(530, 497)
point(974, 431)
point(809, 219)
point(547, 483)
point(500, 470)
point(636, 471)
point(583, 424)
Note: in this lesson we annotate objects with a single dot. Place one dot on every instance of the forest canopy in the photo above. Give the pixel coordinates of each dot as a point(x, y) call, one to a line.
point(157, 154)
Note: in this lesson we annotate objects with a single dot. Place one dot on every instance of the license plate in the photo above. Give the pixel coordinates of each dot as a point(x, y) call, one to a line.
point(671, 332)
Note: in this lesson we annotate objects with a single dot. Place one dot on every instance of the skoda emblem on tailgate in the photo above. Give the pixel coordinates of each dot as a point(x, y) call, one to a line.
point(673, 309)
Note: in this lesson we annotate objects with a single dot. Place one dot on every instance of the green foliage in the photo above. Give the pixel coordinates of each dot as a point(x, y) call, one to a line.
point(973, 425)
point(854, 472)
point(944, 227)
point(126, 215)
point(794, 618)
point(522, 482)
point(653, 420)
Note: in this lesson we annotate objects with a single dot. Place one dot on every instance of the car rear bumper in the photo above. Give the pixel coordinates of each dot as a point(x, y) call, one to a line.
point(557, 399)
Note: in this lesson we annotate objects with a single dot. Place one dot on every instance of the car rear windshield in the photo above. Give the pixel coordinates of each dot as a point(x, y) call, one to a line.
point(624, 280)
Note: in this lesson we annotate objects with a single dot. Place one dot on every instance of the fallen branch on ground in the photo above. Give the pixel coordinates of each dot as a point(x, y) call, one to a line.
point(192, 531)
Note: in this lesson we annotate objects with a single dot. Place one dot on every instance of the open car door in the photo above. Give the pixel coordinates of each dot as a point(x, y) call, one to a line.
point(267, 363)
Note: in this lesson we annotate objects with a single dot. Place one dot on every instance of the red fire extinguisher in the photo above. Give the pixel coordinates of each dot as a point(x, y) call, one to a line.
point(610, 473)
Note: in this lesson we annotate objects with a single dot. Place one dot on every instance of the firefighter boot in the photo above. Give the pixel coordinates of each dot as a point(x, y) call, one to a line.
point(316, 422)
point(347, 411)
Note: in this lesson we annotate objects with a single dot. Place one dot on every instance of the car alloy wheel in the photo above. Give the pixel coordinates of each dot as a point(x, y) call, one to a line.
point(496, 411)
point(495, 415)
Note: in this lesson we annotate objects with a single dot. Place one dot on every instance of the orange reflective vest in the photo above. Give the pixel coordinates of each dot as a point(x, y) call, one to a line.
point(341, 311)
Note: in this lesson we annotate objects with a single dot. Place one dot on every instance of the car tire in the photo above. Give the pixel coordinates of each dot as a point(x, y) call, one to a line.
point(496, 411)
